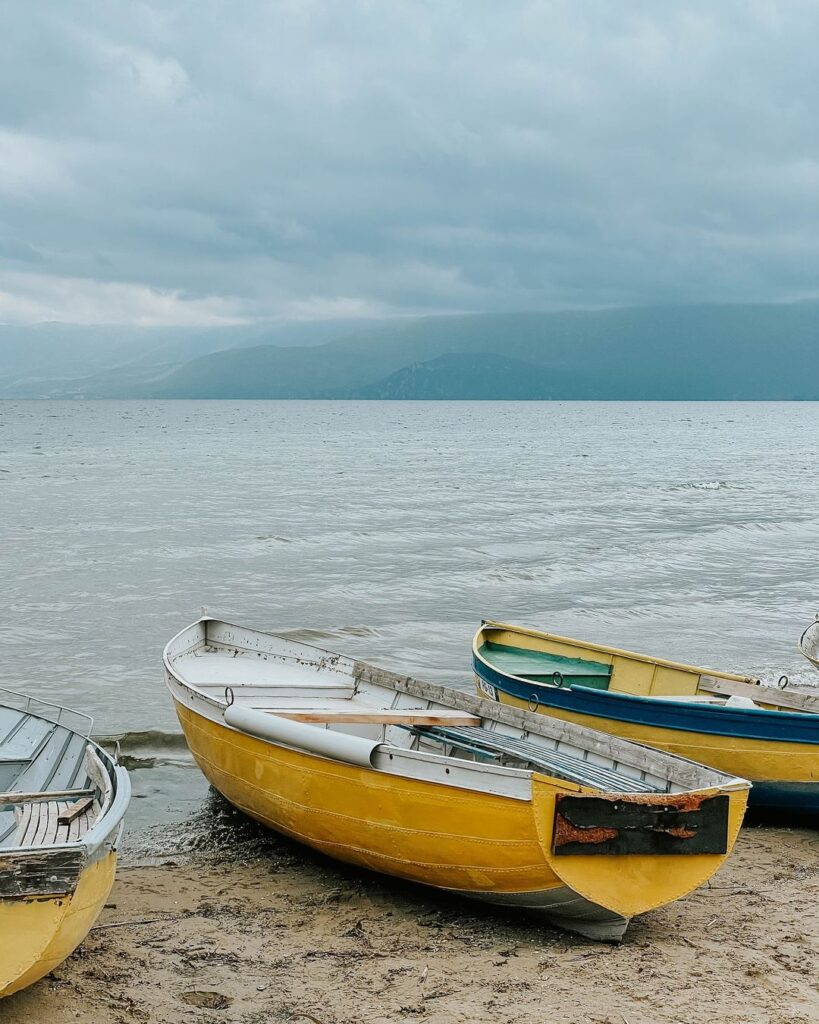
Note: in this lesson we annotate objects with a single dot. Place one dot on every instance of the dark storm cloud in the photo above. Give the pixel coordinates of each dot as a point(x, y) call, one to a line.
point(187, 163)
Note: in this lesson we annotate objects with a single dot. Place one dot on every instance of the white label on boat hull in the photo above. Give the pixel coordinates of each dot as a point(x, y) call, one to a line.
point(487, 689)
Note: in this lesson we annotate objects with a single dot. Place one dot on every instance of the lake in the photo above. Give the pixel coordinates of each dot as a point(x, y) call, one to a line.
point(387, 531)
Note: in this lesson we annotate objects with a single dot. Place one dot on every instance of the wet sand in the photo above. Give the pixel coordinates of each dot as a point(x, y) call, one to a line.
point(270, 932)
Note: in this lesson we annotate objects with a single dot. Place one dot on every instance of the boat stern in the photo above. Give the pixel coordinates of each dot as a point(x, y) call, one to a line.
point(630, 853)
point(37, 934)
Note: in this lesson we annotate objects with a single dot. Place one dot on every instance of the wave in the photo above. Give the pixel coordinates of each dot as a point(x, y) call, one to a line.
point(309, 636)
point(144, 739)
point(703, 485)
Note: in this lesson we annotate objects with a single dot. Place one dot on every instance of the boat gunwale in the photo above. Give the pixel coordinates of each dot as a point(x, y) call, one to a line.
point(6, 691)
point(670, 767)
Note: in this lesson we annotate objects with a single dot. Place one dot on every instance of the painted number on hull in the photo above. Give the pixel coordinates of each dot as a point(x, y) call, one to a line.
point(487, 689)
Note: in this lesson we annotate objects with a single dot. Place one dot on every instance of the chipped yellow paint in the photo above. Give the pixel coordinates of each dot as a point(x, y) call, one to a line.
point(37, 934)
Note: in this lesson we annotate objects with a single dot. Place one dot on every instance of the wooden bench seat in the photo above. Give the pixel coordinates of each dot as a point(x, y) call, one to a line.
point(786, 700)
point(47, 796)
point(54, 822)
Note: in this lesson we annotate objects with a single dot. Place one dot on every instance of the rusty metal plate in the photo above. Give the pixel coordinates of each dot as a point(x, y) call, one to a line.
point(682, 823)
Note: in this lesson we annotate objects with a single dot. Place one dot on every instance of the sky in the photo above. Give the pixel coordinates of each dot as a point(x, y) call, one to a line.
point(187, 163)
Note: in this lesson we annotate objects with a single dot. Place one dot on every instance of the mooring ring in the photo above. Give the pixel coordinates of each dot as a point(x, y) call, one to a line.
point(229, 695)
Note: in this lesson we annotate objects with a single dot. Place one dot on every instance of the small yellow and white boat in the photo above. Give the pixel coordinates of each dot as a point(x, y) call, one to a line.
point(62, 801)
point(440, 787)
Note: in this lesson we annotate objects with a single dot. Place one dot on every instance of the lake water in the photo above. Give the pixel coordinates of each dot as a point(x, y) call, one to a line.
point(387, 531)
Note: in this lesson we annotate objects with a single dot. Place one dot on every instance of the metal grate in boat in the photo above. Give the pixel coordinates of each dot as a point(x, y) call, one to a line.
point(554, 762)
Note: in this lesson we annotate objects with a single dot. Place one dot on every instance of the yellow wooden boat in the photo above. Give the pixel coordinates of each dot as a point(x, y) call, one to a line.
point(437, 786)
point(62, 801)
point(731, 722)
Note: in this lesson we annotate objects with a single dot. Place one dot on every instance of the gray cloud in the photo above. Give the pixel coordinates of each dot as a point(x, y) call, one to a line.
point(186, 163)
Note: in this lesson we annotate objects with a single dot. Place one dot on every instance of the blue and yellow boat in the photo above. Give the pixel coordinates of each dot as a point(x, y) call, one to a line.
point(730, 722)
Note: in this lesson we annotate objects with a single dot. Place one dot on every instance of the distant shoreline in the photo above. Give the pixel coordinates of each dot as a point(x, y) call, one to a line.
point(753, 352)
point(441, 401)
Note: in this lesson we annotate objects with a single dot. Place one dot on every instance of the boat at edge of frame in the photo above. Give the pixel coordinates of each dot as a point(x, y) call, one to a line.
point(730, 722)
point(62, 803)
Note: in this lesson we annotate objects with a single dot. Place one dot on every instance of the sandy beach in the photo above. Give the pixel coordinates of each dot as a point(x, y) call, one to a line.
point(272, 932)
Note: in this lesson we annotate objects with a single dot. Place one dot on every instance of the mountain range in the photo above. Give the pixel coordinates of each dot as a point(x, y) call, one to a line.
point(751, 351)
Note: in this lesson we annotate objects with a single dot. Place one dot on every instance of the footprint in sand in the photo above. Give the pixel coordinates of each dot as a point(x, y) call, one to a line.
point(206, 1000)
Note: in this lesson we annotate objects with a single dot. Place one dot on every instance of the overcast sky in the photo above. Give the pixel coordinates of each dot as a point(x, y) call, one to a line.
point(202, 162)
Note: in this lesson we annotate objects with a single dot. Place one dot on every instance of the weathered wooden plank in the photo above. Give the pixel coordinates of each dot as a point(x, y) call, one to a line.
point(40, 872)
point(32, 826)
point(81, 824)
point(53, 829)
point(761, 694)
point(353, 716)
point(63, 831)
point(32, 819)
point(605, 744)
point(23, 821)
point(100, 777)
point(75, 810)
point(46, 797)
point(44, 834)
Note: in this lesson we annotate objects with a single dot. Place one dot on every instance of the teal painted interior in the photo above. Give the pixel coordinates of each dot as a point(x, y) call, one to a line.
point(540, 667)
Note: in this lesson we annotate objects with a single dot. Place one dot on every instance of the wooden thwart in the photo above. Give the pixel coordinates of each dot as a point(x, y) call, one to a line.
point(440, 716)
point(761, 694)
point(44, 797)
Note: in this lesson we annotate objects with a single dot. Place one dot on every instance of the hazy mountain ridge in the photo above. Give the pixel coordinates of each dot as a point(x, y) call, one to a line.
point(107, 361)
point(693, 352)
point(465, 376)
point(683, 352)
